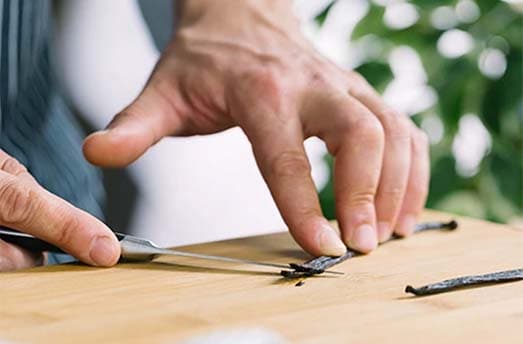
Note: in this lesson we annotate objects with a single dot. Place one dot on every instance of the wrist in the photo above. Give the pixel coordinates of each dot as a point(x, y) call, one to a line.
point(278, 13)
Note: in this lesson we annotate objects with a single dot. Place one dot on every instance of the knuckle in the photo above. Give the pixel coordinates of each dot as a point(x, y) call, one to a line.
point(358, 85)
point(130, 113)
point(12, 166)
point(17, 203)
point(66, 231)
point(357, 78)
point(419, 186)
point(393, 195)
point(303, 215)
point(291, 164)
point(396, 125)
point(361, 197)
point(370, 130)
point(266, 81)
point(421, 140)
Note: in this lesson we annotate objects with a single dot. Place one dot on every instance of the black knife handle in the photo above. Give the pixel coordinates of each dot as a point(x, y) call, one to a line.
point(32, 243)
point(27, 241)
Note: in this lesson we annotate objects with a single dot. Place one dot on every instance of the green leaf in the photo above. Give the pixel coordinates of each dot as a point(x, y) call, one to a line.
point(372, 23)
point(444, 180)
point(496, 192)
point(499, 208)
point(507, 172)
point(378, 74)
point(320, 18)
point(466, 203)
point(505, 93)
point(327, 194)
point(427, 5)
point(451, 85)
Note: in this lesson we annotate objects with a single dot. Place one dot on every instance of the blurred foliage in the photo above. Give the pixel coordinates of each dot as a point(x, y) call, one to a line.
point(496, 191)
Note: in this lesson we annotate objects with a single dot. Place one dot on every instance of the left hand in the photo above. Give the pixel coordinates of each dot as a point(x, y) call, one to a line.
point(245, 63)
point(28, 207)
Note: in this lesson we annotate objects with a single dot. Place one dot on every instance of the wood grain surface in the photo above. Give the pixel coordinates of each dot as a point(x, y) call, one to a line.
point(174, 299)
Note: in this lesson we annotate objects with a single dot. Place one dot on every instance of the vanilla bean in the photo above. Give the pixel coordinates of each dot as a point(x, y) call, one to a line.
point(451, 225)
point(467, 281)
point(322, 263)
point(292, 274)
point(318, 265)
point(307, 268)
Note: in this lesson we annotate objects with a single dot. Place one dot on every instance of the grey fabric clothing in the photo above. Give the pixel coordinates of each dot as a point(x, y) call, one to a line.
point(36, 125)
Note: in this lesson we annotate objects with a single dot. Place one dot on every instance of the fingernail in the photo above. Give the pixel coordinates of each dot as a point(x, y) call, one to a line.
point(103, 251)
point(330, 242)
point(364, 239)
point(406, 225)
point(384, 231)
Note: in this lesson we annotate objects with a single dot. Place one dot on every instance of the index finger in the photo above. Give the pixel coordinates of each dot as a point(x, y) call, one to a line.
point(281, 158)
point(26, 206)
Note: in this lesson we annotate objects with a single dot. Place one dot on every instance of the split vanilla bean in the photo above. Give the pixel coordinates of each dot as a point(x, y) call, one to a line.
point(318, 265)
point(467, 281)
point(424, 226)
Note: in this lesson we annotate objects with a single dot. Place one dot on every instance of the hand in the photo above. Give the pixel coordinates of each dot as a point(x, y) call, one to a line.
point(26, 206)
point(245, 63)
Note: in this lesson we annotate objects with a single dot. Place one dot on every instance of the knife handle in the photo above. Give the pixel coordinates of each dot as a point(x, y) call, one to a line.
point(31, 243)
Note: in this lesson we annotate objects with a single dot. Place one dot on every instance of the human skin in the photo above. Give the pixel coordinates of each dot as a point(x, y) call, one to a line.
point(245, 63)
point(28, 207)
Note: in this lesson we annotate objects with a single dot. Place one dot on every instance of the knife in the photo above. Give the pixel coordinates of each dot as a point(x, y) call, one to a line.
point(132, 249)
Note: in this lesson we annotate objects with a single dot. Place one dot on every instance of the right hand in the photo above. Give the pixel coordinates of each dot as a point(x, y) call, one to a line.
point(27, 207)
point(247, 64)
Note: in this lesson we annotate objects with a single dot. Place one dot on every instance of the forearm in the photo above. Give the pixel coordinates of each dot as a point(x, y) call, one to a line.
point(195, 7)
point(273, 12)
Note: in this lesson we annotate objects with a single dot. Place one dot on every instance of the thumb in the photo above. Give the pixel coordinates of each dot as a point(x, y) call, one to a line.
point(26, 206)
point(152, 116)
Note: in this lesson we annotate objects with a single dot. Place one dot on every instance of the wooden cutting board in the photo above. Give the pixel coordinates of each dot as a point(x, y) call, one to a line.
point(165, 302)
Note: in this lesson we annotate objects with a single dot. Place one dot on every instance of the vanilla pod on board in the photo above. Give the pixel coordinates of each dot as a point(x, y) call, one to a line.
point(318, 265)
point(467, 281)
point(423, 226)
